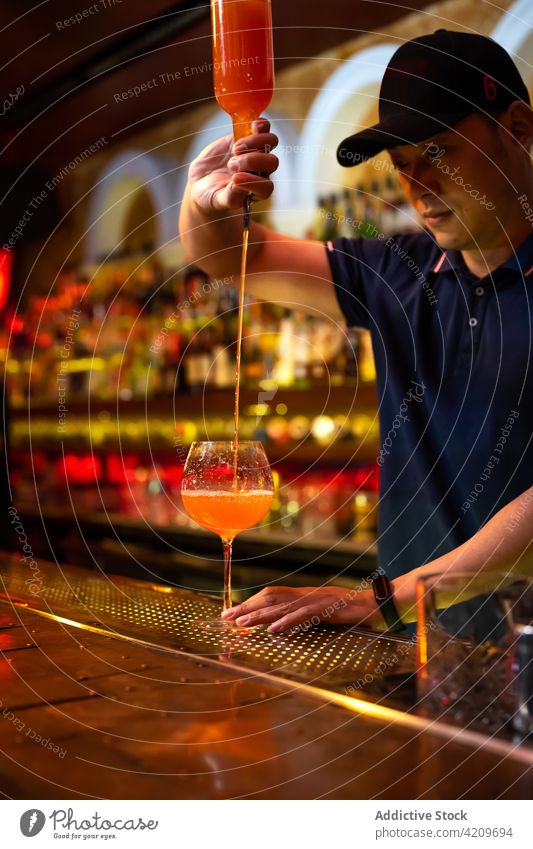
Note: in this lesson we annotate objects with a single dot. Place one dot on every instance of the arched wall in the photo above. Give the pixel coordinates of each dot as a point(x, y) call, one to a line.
point(337, 111)
point(113, 195)
point(514, 31)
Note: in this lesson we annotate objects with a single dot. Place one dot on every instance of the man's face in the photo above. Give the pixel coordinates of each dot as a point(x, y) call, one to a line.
point(459, 181)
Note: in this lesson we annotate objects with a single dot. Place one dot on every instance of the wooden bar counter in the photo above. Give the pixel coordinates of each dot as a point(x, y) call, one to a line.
point(109, 690)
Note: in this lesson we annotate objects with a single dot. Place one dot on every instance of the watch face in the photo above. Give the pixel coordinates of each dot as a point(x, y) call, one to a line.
point(382, 589)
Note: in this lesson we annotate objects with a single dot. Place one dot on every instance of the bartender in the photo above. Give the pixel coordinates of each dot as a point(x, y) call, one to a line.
point(450, 311)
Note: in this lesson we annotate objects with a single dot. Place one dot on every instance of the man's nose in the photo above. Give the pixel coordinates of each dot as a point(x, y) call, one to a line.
point(421, 180)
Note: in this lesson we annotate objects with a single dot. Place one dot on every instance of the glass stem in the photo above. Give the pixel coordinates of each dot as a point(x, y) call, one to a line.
point(227, 547)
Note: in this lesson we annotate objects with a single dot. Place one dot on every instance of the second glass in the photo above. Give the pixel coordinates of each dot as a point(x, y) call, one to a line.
point(481, 679)
point(226, 488)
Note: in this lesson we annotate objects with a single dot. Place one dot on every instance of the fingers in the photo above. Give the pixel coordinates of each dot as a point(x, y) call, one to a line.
point(225, 172)
point(214, 156)
point(260, 187)
point(283, 607)
point(264, 598)
point(233, 195)
point(303, 615)
point(266, 614)
point(264, 163)
point(261, 125)
point(265, 142)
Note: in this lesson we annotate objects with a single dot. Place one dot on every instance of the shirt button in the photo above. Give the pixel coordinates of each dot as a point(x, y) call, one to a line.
point(479, 290)
point(472, 322)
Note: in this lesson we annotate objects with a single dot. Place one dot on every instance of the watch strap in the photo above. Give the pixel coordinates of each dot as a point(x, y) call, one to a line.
point(384, 596)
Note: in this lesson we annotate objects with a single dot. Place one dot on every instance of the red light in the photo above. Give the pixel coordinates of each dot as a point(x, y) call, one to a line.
point(84, 469)
point(17, 325)
point(367, 478)
point(121, 467)
point(172, 475)
point(6, 265)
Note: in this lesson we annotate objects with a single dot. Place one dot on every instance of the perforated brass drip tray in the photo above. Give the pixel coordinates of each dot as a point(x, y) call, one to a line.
point(327, 657)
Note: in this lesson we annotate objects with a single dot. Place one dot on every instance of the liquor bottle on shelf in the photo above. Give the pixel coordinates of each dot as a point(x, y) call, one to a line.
point(269, 341)
point(319, 228)
point(352, 354)
point(302, 351)
point(331, 229)
point(284, 374)
point(223, 367)
point(198, 360)
point(367, 367)
point(318, 359)
point(346, 216)
point(186, 344)
point(252, 361)
point(389, 209)
point(369, 228)
point(139, 374)
point(175, 372)
point(226, 329)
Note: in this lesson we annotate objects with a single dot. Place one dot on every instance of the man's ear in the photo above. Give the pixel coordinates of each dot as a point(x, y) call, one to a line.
point(519, 123)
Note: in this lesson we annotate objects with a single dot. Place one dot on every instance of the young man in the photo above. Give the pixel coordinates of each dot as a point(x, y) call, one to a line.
point(450, 312)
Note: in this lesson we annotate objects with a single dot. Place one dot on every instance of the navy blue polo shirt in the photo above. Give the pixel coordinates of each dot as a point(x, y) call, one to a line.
point(455, 386)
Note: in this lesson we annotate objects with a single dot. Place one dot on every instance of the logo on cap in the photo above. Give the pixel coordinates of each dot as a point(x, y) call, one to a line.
point(491, 92)
point(32, 822)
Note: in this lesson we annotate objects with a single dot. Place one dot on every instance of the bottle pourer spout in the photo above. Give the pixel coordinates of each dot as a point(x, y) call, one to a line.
point(247, 210)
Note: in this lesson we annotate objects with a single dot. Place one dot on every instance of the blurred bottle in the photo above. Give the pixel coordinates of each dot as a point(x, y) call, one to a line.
point(352, 354)
point(365, 514)
point(331, 229)
point(389, 210)
point(286, 351)
point(366, 362)
point(347, 218)
point(198, 362)
point(319, 226)
point(302, 351)
point(369, 226)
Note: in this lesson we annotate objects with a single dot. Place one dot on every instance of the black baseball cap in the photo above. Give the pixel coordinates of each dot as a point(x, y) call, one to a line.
point(430, 84)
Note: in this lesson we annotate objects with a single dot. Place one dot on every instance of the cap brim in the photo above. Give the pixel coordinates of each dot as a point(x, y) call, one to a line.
point(405, 128)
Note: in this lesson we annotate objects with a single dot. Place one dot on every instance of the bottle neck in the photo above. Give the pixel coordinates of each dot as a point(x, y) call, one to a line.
point(242, 124)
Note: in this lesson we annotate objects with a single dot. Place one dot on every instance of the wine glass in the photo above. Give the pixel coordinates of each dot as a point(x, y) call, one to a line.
point(227, 487)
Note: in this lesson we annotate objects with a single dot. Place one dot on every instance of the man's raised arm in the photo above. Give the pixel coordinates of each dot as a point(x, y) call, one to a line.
point(279, 268)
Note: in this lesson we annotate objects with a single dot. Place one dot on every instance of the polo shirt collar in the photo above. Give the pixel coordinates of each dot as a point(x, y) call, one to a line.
point(450, 261)
point(522, 260)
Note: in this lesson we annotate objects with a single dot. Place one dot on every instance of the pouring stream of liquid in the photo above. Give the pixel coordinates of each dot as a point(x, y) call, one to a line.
point(245, 237)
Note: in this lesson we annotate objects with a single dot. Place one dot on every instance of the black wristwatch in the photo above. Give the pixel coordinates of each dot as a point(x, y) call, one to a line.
point(385, 600)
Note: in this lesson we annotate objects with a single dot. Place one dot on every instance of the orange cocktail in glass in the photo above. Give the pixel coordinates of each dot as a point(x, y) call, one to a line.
point(226, 488)
point(227, 513)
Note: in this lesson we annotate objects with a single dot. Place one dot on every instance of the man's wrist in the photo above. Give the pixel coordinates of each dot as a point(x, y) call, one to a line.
point(404, 590)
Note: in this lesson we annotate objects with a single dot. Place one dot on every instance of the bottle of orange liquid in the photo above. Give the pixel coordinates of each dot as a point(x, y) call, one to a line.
point(243, 74)
point(243, 59)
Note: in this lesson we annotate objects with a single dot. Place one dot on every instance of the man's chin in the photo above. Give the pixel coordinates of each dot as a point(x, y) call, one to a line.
point(446, 240)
